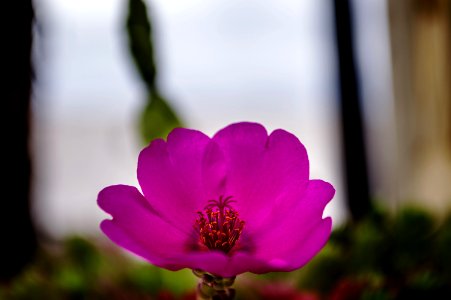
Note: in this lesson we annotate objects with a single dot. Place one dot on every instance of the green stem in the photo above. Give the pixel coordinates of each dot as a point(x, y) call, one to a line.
point(212, 287)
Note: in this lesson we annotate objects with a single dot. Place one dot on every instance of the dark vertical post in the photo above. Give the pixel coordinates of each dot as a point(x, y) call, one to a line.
point(18, 239)
point(355, 164)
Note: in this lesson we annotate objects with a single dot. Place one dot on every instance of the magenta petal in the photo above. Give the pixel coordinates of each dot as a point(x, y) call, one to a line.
point(220, 264)
point(301, 234)
point(214, 171)
point(170, 175)
point(266, 175)
point(137, 228)
point(282, 180)
point(243, 146)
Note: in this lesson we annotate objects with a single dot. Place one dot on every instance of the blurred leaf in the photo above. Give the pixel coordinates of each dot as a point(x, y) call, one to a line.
point(443, 250)
point(369, 248)
point(71, 280)
point(145, 278)
point(413, 233)
point(323, 271)
point(140, 41)
point(31, 286)
point(82, 253)
point(179, 282)
point(158, 118)
point(377, 295)
point(425, 280)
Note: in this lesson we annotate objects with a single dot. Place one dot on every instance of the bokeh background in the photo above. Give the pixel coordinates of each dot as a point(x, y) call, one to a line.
point(365, 85)
point(218, 62)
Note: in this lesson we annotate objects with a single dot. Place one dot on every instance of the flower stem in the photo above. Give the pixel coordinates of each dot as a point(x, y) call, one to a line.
point(212, 287)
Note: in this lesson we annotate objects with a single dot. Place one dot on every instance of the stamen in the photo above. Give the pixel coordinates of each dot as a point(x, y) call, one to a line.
point(219, 226)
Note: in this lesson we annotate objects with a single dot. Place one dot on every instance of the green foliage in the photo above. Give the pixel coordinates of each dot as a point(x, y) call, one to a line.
point(141, 43)
point(313, 276)
point(158, 118)
point(442, 251)
point(81, 269)
point(403, 256)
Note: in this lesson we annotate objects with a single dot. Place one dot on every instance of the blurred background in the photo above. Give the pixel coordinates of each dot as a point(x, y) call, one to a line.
point(218, 62)
point(365, 85)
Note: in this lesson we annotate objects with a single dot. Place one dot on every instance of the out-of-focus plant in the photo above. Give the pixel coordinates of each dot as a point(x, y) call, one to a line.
point(386, 257)
point(404, 256)
point(158, 118)
point(81, 269)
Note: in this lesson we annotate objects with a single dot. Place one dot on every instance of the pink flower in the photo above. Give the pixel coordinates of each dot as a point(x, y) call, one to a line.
point(240, 201)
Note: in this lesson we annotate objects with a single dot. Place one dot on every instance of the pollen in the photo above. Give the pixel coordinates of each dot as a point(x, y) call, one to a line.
point(218, 225)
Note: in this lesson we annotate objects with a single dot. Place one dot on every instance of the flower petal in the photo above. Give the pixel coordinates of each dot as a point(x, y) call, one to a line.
point(296, 239)
point(220, 264)
point(170, 175)
point(137, 227)
point(214, 171)
point(266, 175)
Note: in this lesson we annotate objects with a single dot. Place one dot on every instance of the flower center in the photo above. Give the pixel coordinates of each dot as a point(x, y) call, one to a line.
point(219, 226)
